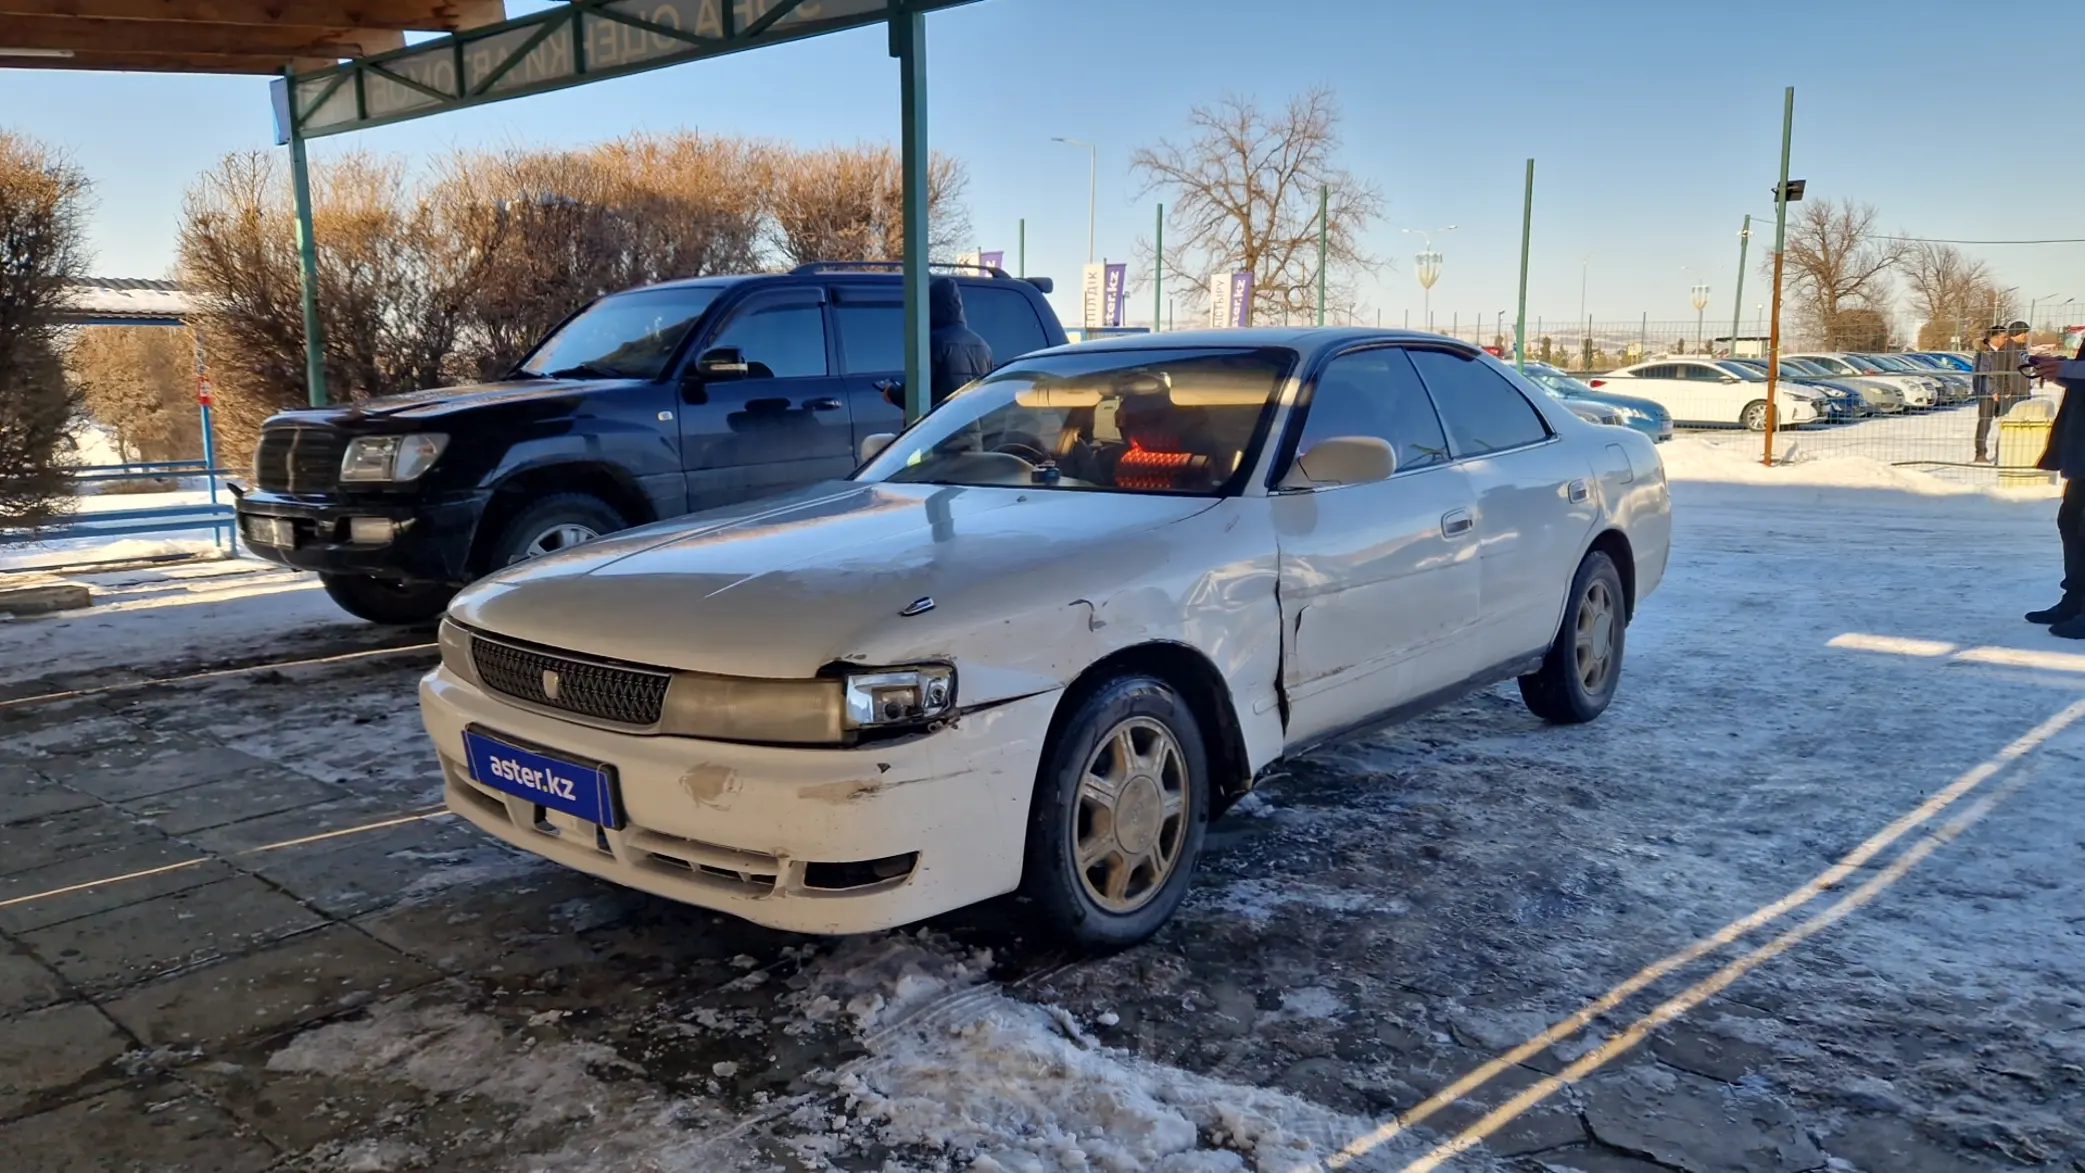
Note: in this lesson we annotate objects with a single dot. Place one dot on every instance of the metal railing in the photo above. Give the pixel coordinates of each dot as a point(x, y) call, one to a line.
point(214, 514)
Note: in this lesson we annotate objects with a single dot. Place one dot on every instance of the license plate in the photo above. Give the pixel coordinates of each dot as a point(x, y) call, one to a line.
point(582, 791)
point(271, 531)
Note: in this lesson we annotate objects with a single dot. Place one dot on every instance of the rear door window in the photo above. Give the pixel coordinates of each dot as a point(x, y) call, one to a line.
point(1483, 412)
point(872, 335)
point(1005, 319)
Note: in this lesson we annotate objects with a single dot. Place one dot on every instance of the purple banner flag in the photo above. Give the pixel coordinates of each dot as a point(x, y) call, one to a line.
point(1111, 295)
point(992, 260)
point(1241, 298)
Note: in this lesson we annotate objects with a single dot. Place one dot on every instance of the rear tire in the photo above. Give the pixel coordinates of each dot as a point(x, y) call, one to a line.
point(394, 604)
point(551, 524)
point(1107, 872)
point(1578, 676)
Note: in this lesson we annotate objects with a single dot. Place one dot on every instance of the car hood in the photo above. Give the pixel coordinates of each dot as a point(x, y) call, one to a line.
point(444, 400)
point(1654, 411)
point(784, 587)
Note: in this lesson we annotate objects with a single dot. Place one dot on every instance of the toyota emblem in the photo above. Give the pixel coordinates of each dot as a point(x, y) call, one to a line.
point(550, 683)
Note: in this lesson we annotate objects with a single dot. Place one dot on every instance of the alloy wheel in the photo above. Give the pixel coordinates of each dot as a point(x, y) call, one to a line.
point(1130, 819)
point(1594, 643)
point(558, 537)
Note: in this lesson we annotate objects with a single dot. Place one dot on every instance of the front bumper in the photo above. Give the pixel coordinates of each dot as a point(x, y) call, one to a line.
point(756, 831)
point(432, 544)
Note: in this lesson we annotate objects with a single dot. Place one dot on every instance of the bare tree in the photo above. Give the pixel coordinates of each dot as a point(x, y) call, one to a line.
point(1837, 261)
point(846, 204)
point(1244, 192)
point(1949, 291)
point(43, 206)
point(139, 383)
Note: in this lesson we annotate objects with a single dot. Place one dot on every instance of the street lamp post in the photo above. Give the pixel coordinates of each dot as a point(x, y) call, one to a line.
point(1092, 184)
point(1701, 302)
point(2031, 303)
point(1428, 266)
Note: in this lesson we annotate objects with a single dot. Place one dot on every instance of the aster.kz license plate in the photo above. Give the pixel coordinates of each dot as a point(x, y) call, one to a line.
point(582, 791)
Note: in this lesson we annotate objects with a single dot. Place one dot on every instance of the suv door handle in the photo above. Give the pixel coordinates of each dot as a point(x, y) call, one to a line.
point(826, 404)
point(1457, 522)
point(889, 385)
point(1578, 491)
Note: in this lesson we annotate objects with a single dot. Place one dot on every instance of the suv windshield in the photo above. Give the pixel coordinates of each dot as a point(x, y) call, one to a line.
point(626, 336)
point(1137, 421)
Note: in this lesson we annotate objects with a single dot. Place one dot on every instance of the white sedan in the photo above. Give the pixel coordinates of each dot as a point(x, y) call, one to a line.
point(1035, 643)
point(1705, 392)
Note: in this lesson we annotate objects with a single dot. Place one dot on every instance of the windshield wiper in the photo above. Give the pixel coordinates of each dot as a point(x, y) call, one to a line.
point(588, 370)
point(523, 373)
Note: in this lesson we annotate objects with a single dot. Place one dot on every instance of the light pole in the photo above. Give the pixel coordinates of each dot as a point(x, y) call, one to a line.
point(2031, 303)
point(1429, 266)
point(1092, 184)
point(1699, 295)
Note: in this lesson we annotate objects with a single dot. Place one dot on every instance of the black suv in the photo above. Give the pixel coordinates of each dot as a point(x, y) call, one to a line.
point(644, 405)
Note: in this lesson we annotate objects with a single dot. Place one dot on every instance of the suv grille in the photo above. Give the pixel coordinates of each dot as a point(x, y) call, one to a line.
point(605, 692)
point(298, 460)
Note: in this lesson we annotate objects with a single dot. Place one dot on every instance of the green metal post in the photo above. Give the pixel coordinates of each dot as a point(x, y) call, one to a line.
point(1738, 307)
point(1021, 258)
point(1773, 345)
point(307, 266)
point(1324, 203)
point(908, 43)
point(1158, 270)
point(1520, 318)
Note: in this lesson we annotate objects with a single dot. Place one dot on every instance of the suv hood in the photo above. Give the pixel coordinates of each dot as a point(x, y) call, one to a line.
point(443, 400)
point(783, 587)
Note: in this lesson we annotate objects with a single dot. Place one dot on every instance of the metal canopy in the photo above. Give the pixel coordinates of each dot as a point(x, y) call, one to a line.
point(220, 36)
point(581, 41)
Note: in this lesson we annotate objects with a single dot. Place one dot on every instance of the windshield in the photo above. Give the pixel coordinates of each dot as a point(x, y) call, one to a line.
point(1742, 371)
point(627, 336)
point(1138, 421)
point(1559, 384)
point(1802, 367)
point(1887, 363)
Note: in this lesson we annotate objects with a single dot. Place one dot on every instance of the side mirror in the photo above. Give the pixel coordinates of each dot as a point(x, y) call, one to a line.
point(1342, 460)
point(1729, 379)
point(874, 444)
point(722, 362)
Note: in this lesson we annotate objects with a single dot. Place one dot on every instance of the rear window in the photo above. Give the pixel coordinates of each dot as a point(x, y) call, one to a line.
point(1005, 319)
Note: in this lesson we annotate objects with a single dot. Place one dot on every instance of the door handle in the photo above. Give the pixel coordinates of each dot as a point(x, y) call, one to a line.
point(889, 384)
point(1578, 491)
point(826, 404)
point(1457, 522)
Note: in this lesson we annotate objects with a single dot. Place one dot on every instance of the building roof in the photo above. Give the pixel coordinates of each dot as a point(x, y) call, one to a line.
point(220, 36)
point(128, 301)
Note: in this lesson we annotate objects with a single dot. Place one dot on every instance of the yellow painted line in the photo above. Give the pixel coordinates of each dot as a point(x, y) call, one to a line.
point(1564, 1028)
point(106, 881)
point(1701, 991)
point(129, 685)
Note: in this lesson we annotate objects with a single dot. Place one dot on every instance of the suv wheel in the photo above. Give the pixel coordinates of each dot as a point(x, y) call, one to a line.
point(557, 522)
point(1121, 803)
point(1578, 677)
point(400, 604)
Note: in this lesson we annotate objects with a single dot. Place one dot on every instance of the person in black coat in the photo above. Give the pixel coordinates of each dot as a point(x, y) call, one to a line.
point(1988, 358)
point(2065, 456)
point(956, 355)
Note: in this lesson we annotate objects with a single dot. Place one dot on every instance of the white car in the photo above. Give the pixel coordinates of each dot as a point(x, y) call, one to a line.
point(1035, 643)
point(1705, 392)
point(1918, 391)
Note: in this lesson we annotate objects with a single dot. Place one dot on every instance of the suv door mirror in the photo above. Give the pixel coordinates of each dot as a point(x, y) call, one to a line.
point(1342, 460)
point(722, 362)
point(874, 443)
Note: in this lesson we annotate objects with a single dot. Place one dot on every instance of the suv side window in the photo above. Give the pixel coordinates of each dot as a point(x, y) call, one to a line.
point(1482, 411)
point(872, 335)
point(1376, 393)
point(1004, 319)
point(782, 337)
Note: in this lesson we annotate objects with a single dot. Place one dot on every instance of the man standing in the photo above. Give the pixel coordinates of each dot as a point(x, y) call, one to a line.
point(2066, 458)
point(1988, 357)
point(956, 355)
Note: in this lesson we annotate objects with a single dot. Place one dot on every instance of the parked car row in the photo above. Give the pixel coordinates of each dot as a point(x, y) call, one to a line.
point(1600, 407)
point(1812, 388)
point(1032, 643)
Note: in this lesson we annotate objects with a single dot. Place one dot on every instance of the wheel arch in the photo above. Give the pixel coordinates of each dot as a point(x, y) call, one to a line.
point(1615, 544)
point(1200, 684)
point(514, 491)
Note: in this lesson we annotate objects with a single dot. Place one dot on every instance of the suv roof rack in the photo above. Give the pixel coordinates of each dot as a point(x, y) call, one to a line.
point(1042, 283)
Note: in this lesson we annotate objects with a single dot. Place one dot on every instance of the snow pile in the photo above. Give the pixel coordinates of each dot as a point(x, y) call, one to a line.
point(1693, 459)
point(874, 981)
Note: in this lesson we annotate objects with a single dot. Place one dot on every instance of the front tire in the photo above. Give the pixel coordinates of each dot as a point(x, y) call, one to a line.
point(1754, 416)
point(394, 604)
point(550, 524)
point(1578, 676)
point(1121, 805)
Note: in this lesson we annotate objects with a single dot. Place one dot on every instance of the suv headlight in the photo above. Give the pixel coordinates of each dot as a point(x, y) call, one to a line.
point(823, 711)
point(393, 459)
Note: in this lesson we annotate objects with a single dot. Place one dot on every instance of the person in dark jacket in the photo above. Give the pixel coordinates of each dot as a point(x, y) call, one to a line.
point(1987, 387)
point(956, 355)
point(2065, 456)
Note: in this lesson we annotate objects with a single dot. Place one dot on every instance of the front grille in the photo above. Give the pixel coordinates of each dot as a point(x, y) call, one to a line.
point(298, 460)
point(605, 692)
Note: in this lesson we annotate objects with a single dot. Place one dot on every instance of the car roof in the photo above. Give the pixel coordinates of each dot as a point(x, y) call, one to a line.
point(1307, 340)
point(851, 275)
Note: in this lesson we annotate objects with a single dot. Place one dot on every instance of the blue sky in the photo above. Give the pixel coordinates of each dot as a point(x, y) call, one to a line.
point(1655, 128)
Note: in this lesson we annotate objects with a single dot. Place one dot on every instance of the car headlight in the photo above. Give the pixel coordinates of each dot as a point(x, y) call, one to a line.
point(1630, 413)
point(394, 459)
point(821, 711)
